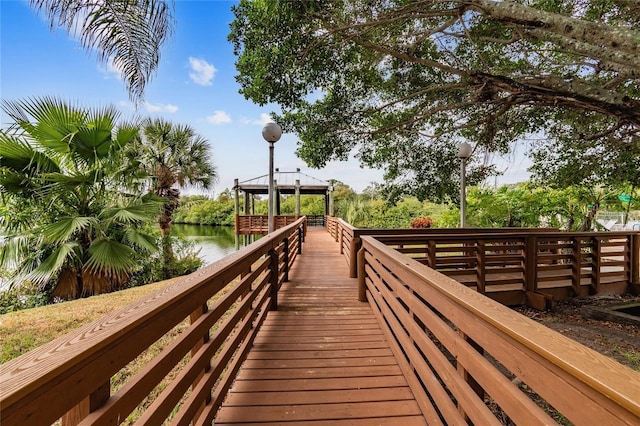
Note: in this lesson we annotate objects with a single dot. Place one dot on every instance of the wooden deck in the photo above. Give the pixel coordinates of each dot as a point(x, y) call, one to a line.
point(322, 357)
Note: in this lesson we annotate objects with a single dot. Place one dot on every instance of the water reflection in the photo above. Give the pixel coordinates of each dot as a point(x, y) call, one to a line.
point(214, 242)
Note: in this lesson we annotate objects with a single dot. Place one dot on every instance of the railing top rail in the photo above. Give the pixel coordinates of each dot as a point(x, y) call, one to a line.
point(453, 232)
point(618, 382)
point(22, 375)
point(446, 235)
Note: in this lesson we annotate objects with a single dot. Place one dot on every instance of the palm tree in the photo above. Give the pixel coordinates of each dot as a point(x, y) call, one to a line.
point(127, 33)
point(69, 219)
point(175, 157)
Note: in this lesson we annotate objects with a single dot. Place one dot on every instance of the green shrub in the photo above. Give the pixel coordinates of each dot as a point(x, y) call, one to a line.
point(186, 260)
point(25, 296)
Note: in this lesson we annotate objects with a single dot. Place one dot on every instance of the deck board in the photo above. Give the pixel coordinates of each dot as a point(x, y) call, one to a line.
point(322, 357)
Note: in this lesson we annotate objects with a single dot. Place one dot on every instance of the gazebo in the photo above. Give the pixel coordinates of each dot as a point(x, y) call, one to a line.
point(285, 183)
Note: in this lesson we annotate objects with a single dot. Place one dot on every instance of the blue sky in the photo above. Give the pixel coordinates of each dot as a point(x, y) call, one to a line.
point(194, 85)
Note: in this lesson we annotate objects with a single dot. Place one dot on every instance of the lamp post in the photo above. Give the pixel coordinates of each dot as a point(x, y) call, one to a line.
point(464, 152)
point(271, 133)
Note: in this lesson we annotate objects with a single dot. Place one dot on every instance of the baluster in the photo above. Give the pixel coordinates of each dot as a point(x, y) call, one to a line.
point(273, 278)
point(91, 403)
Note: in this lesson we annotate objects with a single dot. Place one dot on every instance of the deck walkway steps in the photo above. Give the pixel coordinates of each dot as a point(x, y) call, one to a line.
point(321, 359)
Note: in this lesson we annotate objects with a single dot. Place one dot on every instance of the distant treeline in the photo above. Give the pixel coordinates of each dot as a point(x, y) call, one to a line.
point(521, 205)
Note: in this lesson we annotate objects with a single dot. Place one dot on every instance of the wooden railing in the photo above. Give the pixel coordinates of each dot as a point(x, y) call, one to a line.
point(472, 360)
point(316, 220)
point(259, 224)
point(209, 320)
point(349, 236)
point(514, 266)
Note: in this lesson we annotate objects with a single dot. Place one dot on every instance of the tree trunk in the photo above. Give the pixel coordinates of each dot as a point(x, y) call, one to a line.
point(164, 221)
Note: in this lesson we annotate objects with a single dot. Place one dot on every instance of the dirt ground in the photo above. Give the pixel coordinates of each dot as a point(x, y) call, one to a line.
point(618, 341)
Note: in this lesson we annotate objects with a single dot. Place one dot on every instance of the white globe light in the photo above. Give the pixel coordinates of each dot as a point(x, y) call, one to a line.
point(271, 132)
point(464, 150)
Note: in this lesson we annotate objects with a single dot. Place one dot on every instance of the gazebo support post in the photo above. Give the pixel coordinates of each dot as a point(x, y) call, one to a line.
point(297, 190)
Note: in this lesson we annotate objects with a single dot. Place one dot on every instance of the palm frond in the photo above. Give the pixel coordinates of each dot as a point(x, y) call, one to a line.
point(15, 183)
point(111, 257)
point(142, 212)
point(127, 32)
point(60, 257)
point(18, 155)
point(93, 142)
point(58, 184)
point(126, 134)
point(147, 243)
point(63, 229)
point(51, 122)
point(13, 248)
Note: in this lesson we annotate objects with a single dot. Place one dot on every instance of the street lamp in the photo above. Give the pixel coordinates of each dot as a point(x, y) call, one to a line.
point(271, 133)
point(464, 152)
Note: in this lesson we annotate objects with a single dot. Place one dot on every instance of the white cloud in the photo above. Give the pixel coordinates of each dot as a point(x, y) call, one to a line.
point(111, 70)
point(264, 119)
point(219, 117)
point(202, 72)
point(160, 107)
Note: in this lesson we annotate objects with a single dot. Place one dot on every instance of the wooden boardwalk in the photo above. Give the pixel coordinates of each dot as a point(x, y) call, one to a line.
point(321, 358)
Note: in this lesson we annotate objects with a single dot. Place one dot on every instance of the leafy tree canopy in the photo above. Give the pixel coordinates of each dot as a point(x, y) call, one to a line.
point(401, 82)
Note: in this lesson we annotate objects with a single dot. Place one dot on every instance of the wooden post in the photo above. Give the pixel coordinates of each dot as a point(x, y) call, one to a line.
point(300, 240)
point(597, 263)
point(297, 198)
point(355, 245)
point(237, 206)
point(576, 265)
point(326, 203)
point(362, 279)
point(473, 384)
point(331, 201)
point(286, 259)
point(246, 207)
point(634, 255)
point(91, 403)
point(531, 273)
point(481, 266)
point(195, 315)
point(432, 254)
point(273, 278)
point(531, 263)
point(341, 241)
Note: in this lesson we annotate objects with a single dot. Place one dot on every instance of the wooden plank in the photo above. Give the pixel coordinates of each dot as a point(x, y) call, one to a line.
point(320, 372)
point(318, 362)
point(386, 421)
point(322, 356)
point(332, 396)
point(297, 413)
point(277, 385)
point(333, 354)
point(286, 337)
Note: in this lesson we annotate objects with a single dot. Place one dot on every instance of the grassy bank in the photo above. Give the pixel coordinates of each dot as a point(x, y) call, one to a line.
point(24, 330)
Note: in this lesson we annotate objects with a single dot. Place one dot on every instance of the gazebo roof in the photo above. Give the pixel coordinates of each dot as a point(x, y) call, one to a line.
point(286, 182)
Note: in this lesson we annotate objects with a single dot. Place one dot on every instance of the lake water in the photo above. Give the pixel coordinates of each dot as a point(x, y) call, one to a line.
point(214, 242)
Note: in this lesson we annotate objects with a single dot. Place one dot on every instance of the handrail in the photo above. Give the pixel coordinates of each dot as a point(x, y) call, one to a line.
point(72, 374)
point(442, 332)
point(513, 265)
point(349, 236)
point(259, 223)
point(530, 267)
